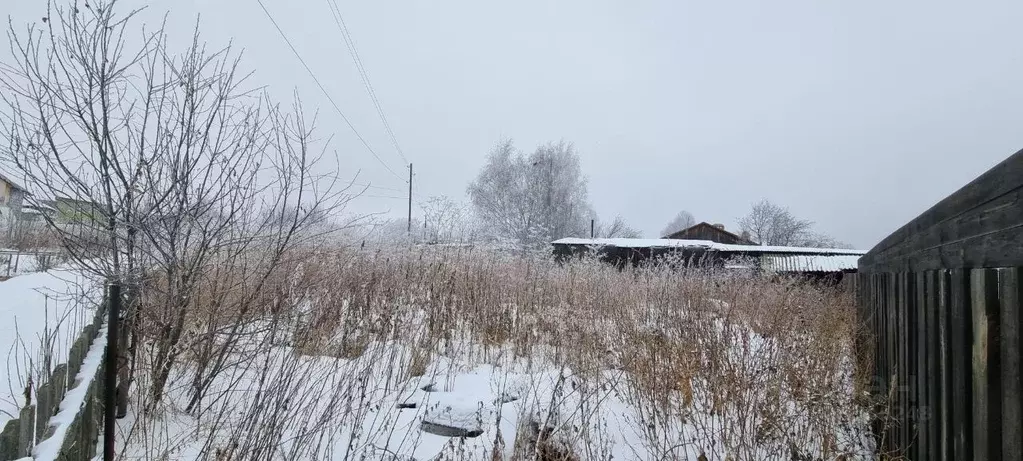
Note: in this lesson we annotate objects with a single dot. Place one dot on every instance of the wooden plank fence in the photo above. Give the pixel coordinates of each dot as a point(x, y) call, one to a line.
point(939, 300)
point(19, 436)
point(13, 260)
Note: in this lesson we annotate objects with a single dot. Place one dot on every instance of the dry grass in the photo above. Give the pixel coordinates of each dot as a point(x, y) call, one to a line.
point(718, 365)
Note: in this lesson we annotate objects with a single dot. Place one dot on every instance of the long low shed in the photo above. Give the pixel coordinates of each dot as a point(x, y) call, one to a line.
point(777, 259)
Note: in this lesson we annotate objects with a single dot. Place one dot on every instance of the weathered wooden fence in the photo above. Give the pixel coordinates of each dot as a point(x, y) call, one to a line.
point(32, 426)
point(940, 299)
point(13, 262)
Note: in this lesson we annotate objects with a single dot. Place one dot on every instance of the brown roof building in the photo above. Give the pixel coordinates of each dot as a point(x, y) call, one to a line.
point(712, 232)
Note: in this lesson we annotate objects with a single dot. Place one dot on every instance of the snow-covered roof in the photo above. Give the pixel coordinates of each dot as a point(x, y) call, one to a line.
point(37, 209)
point(705, 244)
point(809, 263)
point(14, 184)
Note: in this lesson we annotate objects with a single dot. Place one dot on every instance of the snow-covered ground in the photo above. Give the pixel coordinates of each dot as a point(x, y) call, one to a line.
point(351, 409)
point(42, 314)
point(485, 359)
point(276, 403)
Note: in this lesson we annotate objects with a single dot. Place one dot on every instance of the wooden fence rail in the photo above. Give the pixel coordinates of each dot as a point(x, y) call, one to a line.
point(13, 261)
point(940, 302)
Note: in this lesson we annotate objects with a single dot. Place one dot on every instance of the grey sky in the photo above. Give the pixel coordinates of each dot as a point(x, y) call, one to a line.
point(855, 114)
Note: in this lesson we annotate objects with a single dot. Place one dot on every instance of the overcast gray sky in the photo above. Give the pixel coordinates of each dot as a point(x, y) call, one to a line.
point(858, 115)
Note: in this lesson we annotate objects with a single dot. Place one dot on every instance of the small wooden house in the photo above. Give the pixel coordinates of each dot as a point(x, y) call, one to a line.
point(710, 232)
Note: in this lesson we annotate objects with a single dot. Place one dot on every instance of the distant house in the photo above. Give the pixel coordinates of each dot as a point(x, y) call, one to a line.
point(12, 198)
point(37, 213)
point(73, 210)
point(12, 194)
point(710, 232)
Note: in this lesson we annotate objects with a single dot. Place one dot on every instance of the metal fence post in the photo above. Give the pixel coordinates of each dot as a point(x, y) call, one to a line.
point(110, 370)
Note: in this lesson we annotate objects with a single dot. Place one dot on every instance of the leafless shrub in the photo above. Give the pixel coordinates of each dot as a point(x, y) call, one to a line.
point(172, 174)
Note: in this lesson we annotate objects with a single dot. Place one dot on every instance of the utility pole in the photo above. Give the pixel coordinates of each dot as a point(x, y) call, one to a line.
point(410, 198)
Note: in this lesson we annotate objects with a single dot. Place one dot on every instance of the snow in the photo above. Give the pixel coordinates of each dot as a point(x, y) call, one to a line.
point(704, 244)
point(601, 414)
point(42, 313)
point(74, 401)
point(482, 399)
point(810, 263)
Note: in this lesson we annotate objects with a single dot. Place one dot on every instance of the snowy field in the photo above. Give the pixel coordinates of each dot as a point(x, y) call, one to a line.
point(424, 357)
point(491, 406)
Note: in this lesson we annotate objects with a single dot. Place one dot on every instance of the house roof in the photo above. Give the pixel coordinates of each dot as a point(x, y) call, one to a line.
point(701, 244)
point(707, 224)
point(12, 182)
point(810, 263)
point(61, 198)
point(37, 208)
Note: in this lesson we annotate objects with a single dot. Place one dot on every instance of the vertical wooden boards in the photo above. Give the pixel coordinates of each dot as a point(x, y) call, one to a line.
point(932, 409)
point(960, 350)
point(907, 381)
point(905, 365)
point(946, 412)
point(877, 382)
point(1010, 292)
point(920, 416)
point(891, 370)
point(987, 427)
point(946, 290)
point(946, 351)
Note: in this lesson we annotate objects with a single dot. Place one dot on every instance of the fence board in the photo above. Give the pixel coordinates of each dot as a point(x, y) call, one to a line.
point(959, 320)
point(877, 333)
point(26, 432)
point(920, 354)
point(932, 413)
point(9, 440)
point(986, 390)
point(1009, 328)
point(906, 362)
point(890, 376)
point(900, 359)
point(945, 333)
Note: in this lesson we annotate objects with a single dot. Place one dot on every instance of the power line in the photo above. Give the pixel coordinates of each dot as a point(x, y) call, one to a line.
point(346, 36)
point(392, 189)
point(324, 90)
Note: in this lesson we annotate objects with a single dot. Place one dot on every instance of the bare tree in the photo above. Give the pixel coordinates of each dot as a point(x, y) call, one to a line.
point(389, 231)
point(532, 200)
point(617, 228)
point(683, 220)
point(818, 240)
point(178, 173)
point(771, 224)
point(447, 221)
